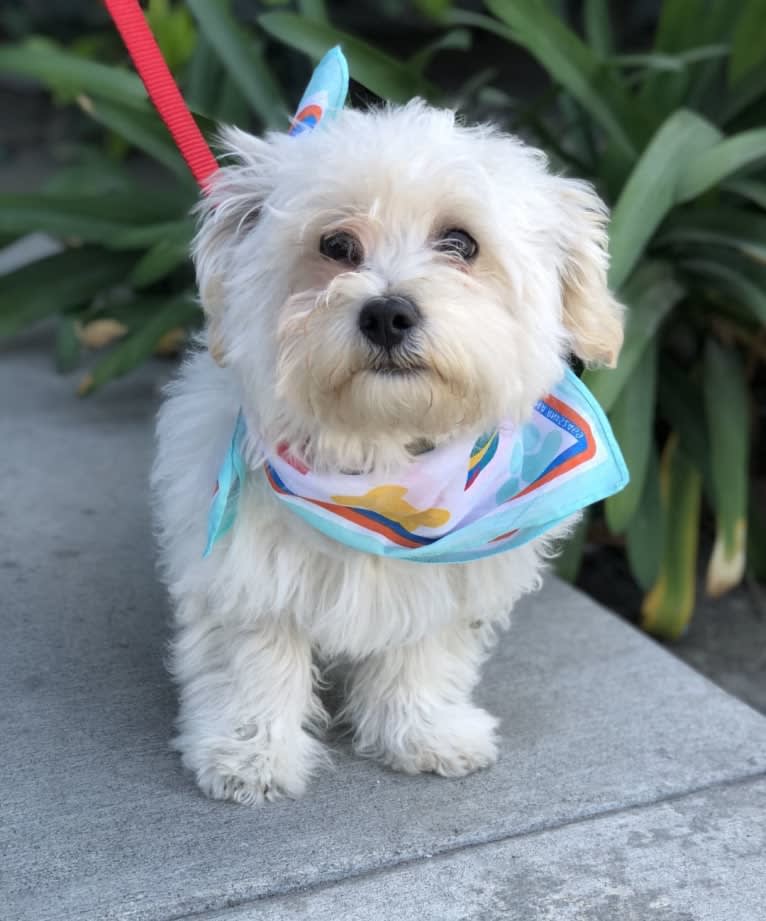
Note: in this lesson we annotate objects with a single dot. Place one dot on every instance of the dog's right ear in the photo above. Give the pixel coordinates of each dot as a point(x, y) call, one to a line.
point(232, 204)
point(593, 317)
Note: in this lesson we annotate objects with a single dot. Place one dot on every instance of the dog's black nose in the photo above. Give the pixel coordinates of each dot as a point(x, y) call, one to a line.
point(386, 321)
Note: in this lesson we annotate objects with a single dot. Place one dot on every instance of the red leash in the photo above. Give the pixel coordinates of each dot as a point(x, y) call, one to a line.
point(161, 87)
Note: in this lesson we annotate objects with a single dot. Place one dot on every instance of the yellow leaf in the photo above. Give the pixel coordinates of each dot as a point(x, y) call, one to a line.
point(725, 571)
point(85, 386)
point(171, 342)
point(668, 607)
point(100, 333)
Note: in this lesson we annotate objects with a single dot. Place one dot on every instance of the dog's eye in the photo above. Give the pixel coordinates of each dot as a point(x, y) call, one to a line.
point(457, 242)
point(341, 247)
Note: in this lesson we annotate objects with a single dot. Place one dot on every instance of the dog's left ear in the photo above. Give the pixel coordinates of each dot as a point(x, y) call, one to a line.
point(592, 316)
point(230, 207)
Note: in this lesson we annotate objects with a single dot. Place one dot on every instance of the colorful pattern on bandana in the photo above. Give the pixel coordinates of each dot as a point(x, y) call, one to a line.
point(481, 454)
point(522, 481)
point(223, 508)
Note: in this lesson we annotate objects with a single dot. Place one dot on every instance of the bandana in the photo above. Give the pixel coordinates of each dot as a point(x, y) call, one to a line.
point(459, 502)
point(462, 501)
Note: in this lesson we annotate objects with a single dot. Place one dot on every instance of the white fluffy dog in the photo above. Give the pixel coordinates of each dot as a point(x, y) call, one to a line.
point(496, 271)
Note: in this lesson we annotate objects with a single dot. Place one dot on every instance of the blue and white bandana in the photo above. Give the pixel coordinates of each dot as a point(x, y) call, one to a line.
point(459, 502)
point(462, 501)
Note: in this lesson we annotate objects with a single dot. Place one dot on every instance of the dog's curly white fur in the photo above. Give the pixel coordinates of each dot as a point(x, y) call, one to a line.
point(284, 343)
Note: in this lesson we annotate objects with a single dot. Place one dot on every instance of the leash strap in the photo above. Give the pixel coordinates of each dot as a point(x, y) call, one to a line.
point(161, 87)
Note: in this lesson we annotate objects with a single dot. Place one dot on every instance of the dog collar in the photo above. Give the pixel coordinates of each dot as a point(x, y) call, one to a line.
point(459, 502)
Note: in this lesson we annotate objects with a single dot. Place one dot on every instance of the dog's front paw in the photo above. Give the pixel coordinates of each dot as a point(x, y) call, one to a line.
point(251, 771)
point(454, 742)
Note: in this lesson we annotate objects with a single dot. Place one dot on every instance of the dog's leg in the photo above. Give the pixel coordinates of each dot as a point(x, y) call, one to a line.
point(411, 706)
point(246, 699)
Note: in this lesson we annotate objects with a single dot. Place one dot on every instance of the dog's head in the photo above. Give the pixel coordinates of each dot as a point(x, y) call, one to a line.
point(394, 277)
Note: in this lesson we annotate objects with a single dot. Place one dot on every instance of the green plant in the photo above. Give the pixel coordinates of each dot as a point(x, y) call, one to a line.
point(673, 138)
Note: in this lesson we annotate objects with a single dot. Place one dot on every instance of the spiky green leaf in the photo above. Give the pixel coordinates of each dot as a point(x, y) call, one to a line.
point(711, 164)
point(242, 56)
point(650, 294)
point(653, 188)
point(379, 72)
point(65, 72)
point(643, 537)
point(57, 283)
point(668, 607)
point(728, 420)
point(135, 348)
point(576, 67)
point(632, 418)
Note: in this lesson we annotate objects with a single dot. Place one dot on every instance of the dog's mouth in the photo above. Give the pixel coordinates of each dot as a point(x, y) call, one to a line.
point(395, 371)
point(388, 366)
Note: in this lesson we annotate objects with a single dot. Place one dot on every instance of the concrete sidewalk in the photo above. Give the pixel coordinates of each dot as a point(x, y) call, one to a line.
point(629, 787)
